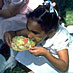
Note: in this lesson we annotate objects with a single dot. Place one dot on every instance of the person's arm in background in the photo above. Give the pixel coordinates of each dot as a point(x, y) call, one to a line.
point(10, 34)
point(1, 4)
point(11, 11)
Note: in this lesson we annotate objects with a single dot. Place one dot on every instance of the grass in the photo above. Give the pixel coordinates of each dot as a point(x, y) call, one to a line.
point(18, 69)
point(15, 70)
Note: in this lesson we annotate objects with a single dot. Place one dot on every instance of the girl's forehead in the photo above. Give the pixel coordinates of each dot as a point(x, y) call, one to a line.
point(32, 24)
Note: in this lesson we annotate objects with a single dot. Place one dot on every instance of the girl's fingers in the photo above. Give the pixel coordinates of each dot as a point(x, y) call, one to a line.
point(8, 41)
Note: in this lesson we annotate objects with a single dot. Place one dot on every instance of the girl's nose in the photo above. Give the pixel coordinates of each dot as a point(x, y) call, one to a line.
point(30, 35)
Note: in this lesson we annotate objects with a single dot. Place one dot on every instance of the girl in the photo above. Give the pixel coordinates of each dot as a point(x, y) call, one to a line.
point(51, 51)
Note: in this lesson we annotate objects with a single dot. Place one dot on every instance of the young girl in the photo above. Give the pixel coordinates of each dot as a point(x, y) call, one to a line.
point(51, 51)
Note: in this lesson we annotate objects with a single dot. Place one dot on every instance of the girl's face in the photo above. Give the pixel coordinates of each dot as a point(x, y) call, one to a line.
point(35, 31)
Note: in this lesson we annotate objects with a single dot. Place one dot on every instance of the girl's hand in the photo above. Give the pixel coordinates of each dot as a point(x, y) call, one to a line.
point(8, 38)
point(38, 51)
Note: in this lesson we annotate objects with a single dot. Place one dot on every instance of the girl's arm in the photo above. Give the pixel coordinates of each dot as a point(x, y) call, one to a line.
point(60, 63)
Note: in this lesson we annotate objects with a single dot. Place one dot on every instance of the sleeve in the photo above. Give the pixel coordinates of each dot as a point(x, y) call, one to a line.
point(17, 2)
point(63, 41)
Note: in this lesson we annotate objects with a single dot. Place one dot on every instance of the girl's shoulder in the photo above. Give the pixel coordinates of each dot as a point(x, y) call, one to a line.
point(62, 31)
point(60, 37)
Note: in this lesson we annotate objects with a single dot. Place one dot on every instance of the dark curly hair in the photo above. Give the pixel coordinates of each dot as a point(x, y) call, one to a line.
point(47, 20)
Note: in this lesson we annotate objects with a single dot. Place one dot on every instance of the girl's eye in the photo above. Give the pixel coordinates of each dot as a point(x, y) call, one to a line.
point(35, 32)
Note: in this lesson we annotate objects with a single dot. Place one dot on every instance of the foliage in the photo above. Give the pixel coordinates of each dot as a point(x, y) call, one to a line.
point(69, 17)
point(66, 11)
point(18, 69)
point(15, 70)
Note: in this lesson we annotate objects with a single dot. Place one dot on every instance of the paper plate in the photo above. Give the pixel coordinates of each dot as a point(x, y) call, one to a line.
point(2, 64)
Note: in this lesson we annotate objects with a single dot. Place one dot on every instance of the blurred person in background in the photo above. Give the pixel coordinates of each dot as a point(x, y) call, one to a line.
point(13, 17)
point(13, 14)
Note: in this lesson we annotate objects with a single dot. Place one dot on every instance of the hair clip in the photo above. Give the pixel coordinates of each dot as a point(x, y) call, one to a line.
point(46, 2)
point(51, 7)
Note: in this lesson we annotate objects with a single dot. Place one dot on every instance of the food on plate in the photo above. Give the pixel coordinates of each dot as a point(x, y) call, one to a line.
point(21, 43)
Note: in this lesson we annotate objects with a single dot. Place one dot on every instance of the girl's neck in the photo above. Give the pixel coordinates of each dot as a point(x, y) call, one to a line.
point(51, 33)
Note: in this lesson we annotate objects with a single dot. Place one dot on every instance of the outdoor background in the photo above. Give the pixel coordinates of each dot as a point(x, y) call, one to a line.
point(66, 12)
